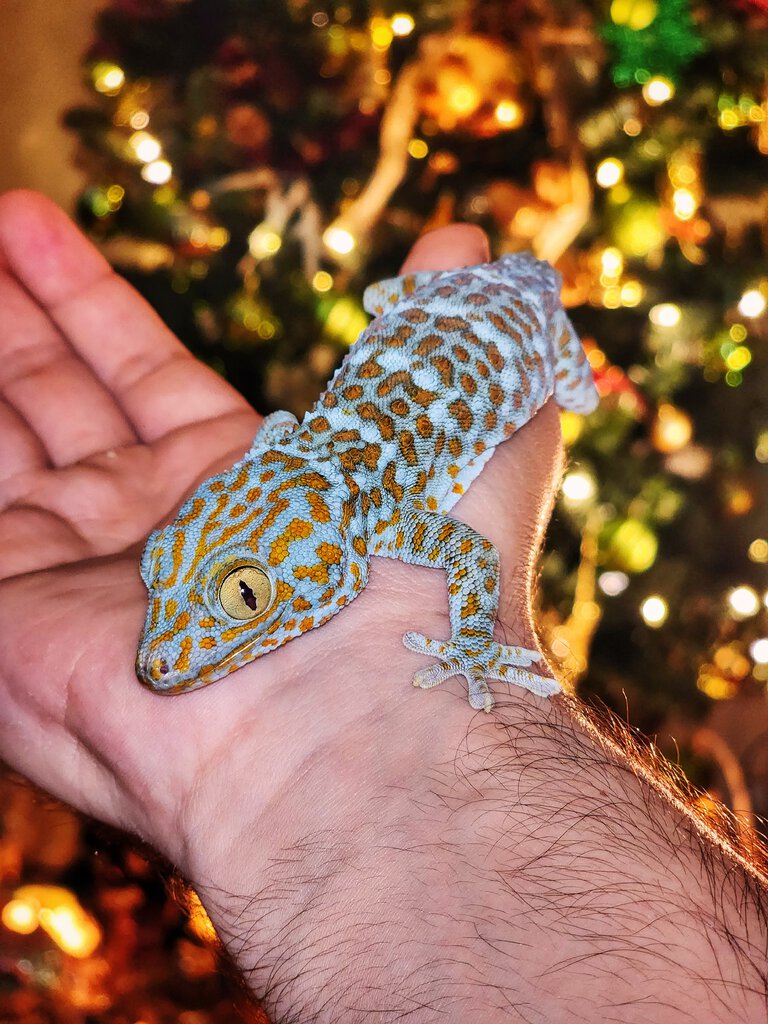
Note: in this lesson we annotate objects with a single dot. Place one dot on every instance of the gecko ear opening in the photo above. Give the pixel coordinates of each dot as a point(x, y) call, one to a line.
point(148, 557)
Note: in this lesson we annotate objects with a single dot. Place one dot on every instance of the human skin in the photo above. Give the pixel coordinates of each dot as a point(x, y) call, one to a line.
point(367, 851)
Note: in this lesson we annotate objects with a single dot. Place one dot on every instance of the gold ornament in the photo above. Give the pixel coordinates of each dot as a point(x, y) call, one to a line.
point(456, 82)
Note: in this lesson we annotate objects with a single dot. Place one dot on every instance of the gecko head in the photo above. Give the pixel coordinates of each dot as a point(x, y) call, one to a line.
point(257, 556)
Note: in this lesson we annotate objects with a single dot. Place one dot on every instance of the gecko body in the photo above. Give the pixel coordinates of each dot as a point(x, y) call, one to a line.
point(452, 365)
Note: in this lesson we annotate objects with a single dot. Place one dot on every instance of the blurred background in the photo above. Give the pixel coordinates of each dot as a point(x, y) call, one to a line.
point(251, 164)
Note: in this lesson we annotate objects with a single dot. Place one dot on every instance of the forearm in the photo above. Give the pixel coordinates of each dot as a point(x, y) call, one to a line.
point(532, 875)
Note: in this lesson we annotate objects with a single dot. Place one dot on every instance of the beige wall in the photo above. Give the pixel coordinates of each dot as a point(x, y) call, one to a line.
point(41, 43)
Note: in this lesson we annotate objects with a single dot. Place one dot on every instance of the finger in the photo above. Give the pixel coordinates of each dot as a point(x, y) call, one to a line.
point(456, 245)
point(59, 398)
point(156, 382)
point(20, 451)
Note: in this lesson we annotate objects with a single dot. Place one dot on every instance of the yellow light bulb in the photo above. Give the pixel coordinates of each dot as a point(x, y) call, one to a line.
point(658, 90)
point(146, 147)
point(666, 314)
point(339, 240)
point(631, 293)
point(402, 24)
point(654, 611)
point(418, 148)
point(743, 602)
point(158, 172)
point(464, 99)
point(752, 303)
point(609, 172)
point(578, 488)
point(684, 203)
point(612, 262)
point(263, 241)
point(381, 33)
point(108, 78)
point(509, 113)
point(322, 281)
point(20, 916)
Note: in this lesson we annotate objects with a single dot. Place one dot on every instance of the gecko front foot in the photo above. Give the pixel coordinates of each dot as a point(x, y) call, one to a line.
point(479, 659)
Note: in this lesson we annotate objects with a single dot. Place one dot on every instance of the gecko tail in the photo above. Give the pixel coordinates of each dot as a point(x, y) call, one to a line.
point(574, 384)
point(384, 296)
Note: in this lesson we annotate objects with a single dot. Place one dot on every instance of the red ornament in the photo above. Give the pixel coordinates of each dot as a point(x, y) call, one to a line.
point(761, 6)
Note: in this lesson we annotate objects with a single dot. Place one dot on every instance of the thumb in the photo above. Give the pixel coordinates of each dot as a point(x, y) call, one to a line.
point(457, 245)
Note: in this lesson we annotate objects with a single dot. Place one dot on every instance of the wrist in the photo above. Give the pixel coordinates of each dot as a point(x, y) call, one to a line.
point(466, 864)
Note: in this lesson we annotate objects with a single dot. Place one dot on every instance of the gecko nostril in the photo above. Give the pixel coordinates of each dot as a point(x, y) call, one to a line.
point(159, 667)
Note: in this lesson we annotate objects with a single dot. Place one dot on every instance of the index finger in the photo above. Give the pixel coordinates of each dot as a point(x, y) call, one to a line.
point(153, 378)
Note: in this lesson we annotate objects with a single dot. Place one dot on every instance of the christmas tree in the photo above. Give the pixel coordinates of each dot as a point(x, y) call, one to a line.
point(251, 166)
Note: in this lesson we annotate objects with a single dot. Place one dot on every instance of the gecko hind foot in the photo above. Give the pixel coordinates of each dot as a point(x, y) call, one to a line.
point(479, 659)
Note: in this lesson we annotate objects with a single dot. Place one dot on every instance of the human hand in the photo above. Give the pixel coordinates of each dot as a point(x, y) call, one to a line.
point(107, 424)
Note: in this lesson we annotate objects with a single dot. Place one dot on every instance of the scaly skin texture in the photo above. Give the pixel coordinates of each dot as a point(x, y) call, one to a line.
point(453, 364)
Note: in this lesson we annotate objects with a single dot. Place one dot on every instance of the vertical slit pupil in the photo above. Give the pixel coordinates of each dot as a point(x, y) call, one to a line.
point(248, 596)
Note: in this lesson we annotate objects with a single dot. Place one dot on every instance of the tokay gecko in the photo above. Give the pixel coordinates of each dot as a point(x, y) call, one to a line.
point(453, 364)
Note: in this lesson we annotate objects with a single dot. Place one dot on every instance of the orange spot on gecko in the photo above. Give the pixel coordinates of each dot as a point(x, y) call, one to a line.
point(330, 553)
point(182, 662)
point(297, 529)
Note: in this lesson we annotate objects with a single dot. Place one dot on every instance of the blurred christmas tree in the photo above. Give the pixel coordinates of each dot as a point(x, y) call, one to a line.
point(252, 164)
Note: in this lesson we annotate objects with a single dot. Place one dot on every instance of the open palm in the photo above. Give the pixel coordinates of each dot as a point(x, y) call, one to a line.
point(106, 424)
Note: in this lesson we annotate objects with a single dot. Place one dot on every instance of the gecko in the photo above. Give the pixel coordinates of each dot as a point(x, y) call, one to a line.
point(452, 364)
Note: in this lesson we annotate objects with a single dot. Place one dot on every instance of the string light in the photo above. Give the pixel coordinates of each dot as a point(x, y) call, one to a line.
point(139, 119)
point(322, 281)
point(666, 314)
point(613, 583)
point(632, 293)
point(381, 34)
point(684, 203)
point(743, 602)
point(609, 172)
point(146, 147)
point(612, 263)
point(672, 428)
point(758, 650)
point(418, 148)
point(658, 90)
point(464, 99)
point(158, 172)
point(509, 114)
point(75, 933)
point(758, 550)
point(402, 24)
point(738, 358)
point(752, 303)
point(339, 240)
point(578, 487)
point(20, 916)
point(654, 611)
point(108, 78)
point(635, 14)
point(264, 241)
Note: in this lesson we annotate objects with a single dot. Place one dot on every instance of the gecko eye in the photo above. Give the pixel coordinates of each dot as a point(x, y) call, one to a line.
point(246, 591)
